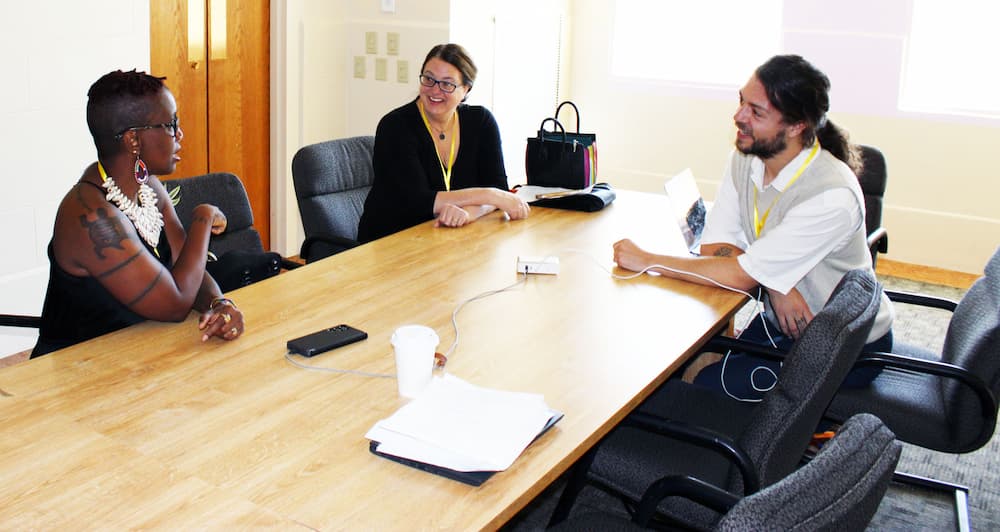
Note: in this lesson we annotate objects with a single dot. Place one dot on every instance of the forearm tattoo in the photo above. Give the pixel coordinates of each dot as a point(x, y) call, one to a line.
point(105, 232)
point(724, 251)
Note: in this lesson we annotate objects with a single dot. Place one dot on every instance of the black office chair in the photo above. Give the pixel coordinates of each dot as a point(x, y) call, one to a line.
point(688, 434)
point(941, 401)
point(839, 489)
point(873, 180)
point(237, 256)
point(332, 180)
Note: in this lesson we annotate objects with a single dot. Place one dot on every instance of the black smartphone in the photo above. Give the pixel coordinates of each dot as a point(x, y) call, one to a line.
point(321, 341)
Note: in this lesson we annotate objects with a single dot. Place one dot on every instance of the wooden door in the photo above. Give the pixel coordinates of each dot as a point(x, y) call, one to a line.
point(221, 87)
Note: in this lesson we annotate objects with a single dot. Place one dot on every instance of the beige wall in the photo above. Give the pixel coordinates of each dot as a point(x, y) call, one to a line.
point(315, 96)
point(942, 175)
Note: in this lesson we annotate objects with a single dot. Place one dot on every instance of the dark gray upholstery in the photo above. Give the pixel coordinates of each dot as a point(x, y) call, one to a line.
point(225, 191)
point(332, 180)
point(239, 255)
point(839, 489)
point(873, 180)
point(773, 433)
point(933, 411)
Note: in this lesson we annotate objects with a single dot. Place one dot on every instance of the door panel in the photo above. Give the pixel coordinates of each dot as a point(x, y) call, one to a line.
point(223, 94)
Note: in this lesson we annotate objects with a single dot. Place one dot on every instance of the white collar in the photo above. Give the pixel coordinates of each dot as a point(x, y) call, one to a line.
point(784, 176)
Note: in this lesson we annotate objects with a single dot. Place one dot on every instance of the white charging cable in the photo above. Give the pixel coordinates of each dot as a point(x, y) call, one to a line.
point(756, 310)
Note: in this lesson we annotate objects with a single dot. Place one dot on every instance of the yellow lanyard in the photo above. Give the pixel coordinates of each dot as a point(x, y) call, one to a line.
point(446, 172)
point(758, 222)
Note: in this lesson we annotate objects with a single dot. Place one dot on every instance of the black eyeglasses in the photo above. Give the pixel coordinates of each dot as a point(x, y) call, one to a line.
point(446, 86)
point(171, 127)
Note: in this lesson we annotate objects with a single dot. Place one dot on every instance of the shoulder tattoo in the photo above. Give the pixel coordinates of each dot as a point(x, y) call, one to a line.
point(105, 232)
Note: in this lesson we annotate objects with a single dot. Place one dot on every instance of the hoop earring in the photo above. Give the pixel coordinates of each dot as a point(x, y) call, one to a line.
point(141, 173)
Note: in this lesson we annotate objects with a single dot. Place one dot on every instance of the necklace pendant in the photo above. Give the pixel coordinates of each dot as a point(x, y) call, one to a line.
point(441, 136)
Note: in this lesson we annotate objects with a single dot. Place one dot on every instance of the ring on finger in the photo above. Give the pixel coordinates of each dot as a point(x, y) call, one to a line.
point(233, 331)
point(226, 318)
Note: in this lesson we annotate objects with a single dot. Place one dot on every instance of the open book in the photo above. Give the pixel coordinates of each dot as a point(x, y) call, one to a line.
point(461, 431)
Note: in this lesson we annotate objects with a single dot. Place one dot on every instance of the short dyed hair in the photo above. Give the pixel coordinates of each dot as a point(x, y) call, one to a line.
point(117, 101)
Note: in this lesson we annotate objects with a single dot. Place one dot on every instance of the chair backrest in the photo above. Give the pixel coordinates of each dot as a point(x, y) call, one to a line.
point(973, 342)
point(783, 423)
point(332, 180)
point(225, 191)
point(839, 489)
point(873, 179)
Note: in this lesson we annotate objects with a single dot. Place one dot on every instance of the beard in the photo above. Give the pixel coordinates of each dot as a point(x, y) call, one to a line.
point(765, 148)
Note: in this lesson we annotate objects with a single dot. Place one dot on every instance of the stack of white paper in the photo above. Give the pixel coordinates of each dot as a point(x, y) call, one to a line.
point(463, 427)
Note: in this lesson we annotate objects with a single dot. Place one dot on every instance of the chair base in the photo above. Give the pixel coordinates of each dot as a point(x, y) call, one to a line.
point(961, 494)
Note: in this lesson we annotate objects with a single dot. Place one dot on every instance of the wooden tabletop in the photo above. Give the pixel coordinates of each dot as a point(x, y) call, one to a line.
point(151, 428)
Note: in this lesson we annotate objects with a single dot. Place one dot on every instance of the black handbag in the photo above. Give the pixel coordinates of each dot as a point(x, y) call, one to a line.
point(559, 158)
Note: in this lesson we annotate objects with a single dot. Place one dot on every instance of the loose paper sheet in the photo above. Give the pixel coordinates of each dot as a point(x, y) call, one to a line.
point(463, 427)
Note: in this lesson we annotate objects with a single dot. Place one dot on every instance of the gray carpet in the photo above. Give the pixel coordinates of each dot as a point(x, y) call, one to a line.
point(903, 508)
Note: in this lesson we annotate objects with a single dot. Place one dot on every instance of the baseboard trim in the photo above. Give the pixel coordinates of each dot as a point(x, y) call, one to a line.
point(925, 274)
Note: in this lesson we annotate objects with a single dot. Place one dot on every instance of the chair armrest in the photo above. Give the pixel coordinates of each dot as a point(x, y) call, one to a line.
point(690, 488)
point(701, 437)
point(878, 240)
point(339, 243)
point(14, 320)
point(987, 401)
point(921, 300)
point(721, 344)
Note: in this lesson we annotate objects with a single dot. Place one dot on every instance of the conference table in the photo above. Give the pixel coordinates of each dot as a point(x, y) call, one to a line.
point(150, 427)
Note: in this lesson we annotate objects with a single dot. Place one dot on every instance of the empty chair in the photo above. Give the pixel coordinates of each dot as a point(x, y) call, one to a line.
point(689, 434)
point(943, 401)
point(839, 489)
point(332, 180)
point(873, 179)
point(237, 256)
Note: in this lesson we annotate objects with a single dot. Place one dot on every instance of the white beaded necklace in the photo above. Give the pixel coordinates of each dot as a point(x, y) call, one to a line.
point(145, 216)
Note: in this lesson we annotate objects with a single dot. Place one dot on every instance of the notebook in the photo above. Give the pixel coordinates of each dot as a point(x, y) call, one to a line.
point(472, 478)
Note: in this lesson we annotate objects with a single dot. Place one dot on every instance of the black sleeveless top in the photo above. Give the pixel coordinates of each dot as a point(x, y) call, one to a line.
point(77, 309)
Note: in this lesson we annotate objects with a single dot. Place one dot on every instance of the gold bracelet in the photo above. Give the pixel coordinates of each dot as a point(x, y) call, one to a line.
point(221, 301)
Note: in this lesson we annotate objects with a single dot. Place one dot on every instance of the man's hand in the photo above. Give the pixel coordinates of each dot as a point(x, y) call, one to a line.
point(793, 313)
point(630, 256)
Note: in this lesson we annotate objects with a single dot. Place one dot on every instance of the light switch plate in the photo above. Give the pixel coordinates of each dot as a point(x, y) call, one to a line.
point(388, 6)
point(371, 42)
point(359, 66)
point(380, 68)
point(392, 43)
point(402, 71)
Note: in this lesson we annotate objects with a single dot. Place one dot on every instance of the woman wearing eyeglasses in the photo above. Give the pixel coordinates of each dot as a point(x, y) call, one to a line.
point(437, 158)
point(118, 254)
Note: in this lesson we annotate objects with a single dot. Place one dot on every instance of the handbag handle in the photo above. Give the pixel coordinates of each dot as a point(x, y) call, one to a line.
point(541, 128)
point(575, 111)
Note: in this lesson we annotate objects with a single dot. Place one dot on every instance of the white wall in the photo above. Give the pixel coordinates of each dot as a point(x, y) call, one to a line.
point(52, 52)
point(315, 95)
point(942, 173)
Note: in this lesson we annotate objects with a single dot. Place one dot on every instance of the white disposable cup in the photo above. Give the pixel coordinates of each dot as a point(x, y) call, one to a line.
point(414, 346)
